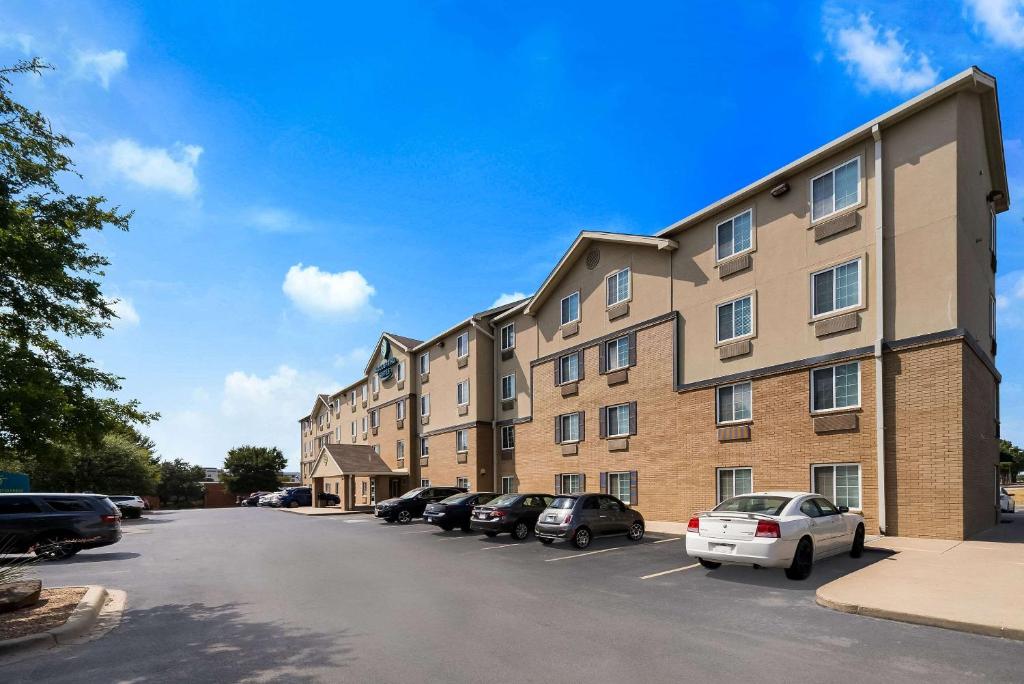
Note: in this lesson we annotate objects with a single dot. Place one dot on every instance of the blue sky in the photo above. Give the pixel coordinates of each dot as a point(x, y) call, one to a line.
point(304, 178)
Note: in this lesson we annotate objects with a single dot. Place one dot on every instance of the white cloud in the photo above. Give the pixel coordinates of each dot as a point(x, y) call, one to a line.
point(508, 298)
point(127, 316)
point(274, 220)
point(101, 66)
point(156, 167)
point(878, 59)
point(1010, 301)
point(1002, 20)
point(354, 359)
point(20, 41)
point(321, 293)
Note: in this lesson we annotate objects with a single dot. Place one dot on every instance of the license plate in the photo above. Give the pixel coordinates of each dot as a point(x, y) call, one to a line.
point(549, 518)
point(723, 548)
point(481, 516)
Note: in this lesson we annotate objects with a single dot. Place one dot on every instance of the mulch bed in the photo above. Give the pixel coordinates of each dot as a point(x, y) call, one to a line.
point(53, 609)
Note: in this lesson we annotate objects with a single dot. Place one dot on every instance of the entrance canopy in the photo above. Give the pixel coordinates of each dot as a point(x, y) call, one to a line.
point(351, 459)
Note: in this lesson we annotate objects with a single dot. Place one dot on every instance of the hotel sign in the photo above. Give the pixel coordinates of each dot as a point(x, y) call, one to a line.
point(385, 369)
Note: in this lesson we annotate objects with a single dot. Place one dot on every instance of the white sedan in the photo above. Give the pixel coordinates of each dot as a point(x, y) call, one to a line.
point(1006, 502)
point(787, 530)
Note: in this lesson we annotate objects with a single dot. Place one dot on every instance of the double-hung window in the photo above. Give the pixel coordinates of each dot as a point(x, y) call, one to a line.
point(462, 393)
point(618, 420)
point(508, 437)
point(508, 336)
point(836, 288)
point(424, 364)
point(364, 425)
point(400, 453)
point(400, 371)
point(569, 368)
point(835, 190)
point(508, 484)
point(374, 418)
point(734, 403)
point(736, 319)
point(353, 428)
point(571, 308)
point(424, 446)
point(733, 482)
point(462, 440)
point(376, 383)
point(734, 235)
point(617, 287)
point(424, 482)
point(835, 387)
point(571, 483)
point(839, 483)
point(619, 486)
point(462, 482)
point(462, 345)
point(570, 423)
point(508, 387)
point(400, 409)
point(352, 397)
point(617, 353)
point(363, 392)
point(425, 405)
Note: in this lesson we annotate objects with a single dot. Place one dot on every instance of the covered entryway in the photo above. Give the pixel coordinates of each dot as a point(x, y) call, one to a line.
point(344, 463)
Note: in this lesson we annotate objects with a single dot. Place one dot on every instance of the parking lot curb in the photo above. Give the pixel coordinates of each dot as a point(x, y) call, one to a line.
point(919, 619)
point(82, 618)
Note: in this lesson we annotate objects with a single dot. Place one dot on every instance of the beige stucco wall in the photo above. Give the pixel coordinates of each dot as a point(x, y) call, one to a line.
point(519, 365)
point(445, 374)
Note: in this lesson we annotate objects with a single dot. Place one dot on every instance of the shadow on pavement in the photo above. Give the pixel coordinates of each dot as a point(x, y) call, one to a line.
point(90, 557)
point(144, 520)
point(825, 571)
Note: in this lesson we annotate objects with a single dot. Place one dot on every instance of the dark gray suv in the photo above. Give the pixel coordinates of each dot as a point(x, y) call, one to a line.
point(581, 517)
point(57, 526)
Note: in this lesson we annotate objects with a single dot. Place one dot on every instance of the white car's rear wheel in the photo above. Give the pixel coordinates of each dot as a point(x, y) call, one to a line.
point(710, 565)
point(857, 550)
point(803, 560)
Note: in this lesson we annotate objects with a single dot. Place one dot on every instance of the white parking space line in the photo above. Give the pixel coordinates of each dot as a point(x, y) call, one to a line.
point(502, 546)
point(353, 522)
point(662, 541)
point(419, 532)
point(456, 538)
point(580, 555)
point(669, 572)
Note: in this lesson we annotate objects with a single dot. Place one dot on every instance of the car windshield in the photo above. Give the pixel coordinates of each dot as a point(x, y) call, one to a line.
point(770, 505)
point(412, 493)
point(563, 502)
point(456, 498)
point(503, 500)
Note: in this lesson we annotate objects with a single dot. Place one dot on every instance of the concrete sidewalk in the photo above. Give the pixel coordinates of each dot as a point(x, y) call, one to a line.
point(972, 586)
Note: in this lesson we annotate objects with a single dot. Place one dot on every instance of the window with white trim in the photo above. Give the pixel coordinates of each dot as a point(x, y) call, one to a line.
point(734, 481)
point(835, 190)
point(462, 393)
point(571, 483)
point(352, 397)
point(508, 387)
point(617, 353)
point(375, 380)
point(508, 484)
point(734, 403)
point(424, 446)
point(508, 336)
point(462, 440)
point(508, 437)
point(353, 428)
point(364, 425)
point(400, 409)
point(569, 368)
point(362, 391)
point(835, 387)
point(618, 420)
point(571, 308)
point(734, 235)
point(425, 405)
point(462, 345)
point(836, 288)
point(374, 418)
point(839, 483)
point(400, 453)
point(617, 287)
point(570, 427)
point(424, 482)
point(424, 363)
point(462, 482)
point(736, 319)
point(619, 486)
point(400, 371)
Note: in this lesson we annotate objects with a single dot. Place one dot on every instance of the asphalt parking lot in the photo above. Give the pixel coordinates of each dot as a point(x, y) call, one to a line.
point(263, 595)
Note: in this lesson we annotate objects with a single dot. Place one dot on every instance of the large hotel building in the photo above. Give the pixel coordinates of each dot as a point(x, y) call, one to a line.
point(830, 327)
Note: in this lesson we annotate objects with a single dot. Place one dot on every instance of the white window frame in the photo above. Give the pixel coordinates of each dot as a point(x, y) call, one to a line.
point(507, 336)
point(362, 391)
point(424, 363)
point(374, 418)
point(512, 386)
point(364, 424)
point(462, 345)
point(562, 424)
point(569, 477)
point(424, 482)
point(562, 318)
point(718, 481)
point(508, 484)
point(400, 371)
point(508, 437)
point(629, 287)
point(753, 319)
point(608, 420)
point(860, 388)
point(352, 397)
point(834, 211)
point(424, 405)
point(400, 452)
point(400, 409)
point(375, 382)
point(732, 220)
point(619, 475)
point(860, 288)
point(719, 419)
point(462, 441)
point(568, 358)
point(462, 481)
point(831, 496)
point(608, 353)
point(353, 428)
point(424, 446)
point(462, 387)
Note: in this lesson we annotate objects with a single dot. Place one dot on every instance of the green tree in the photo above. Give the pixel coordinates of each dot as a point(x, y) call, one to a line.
point(49, 293)
point(252, 469)
point(180, 484)
point(1013, 455)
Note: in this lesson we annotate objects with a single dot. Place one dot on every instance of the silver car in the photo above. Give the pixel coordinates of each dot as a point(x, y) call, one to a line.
point(580, 517)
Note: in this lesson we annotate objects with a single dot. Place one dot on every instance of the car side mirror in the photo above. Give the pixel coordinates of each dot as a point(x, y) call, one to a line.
point(844, 509)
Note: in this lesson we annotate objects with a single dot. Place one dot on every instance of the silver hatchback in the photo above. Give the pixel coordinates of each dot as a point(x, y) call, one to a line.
point(581, 517)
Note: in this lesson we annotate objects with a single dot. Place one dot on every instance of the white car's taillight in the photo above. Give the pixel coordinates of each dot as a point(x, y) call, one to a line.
point(693, 526)
point(768, 528)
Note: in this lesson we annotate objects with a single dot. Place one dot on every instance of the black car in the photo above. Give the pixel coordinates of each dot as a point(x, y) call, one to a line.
point(57, 526)
point(328, 499)
point(455, 510)
point(513, 513)
point(412, 504)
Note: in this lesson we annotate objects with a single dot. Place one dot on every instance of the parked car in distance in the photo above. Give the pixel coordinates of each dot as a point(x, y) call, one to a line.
point(581, 517)
point(513, 513)
point(412, 504)
point(270, 499)
point(1006, 501)
point(57, 526)
point(293, 497)
point(328, 499)
point(787, 530)
point(253, 499)
point(455, 510)
point(130, 506)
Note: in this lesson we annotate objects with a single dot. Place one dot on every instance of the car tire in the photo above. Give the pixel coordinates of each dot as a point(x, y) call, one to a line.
point(293, 504)
point(404, 517)
point(466, 527)
point(582, 537)
point(710, 565)
point(56, 547)
point(857, 550)
point(544, 541)
point(447, 527)
point(636, 531)
point(803, 560)
point(491, 534)
point(521, 530)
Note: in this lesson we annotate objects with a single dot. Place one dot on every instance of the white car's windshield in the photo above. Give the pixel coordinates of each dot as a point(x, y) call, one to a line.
point(769, 505)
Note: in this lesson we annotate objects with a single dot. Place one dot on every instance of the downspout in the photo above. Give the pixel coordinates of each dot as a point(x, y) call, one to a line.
point(876, 133)
point(495, 437)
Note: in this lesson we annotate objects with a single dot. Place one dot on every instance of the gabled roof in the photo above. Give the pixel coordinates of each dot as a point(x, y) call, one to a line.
point(352, 459)
point(969, 79)
point(406, 344)
point(320, 398)
point(578, 246)
point(499, 310)
point(512, 310)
